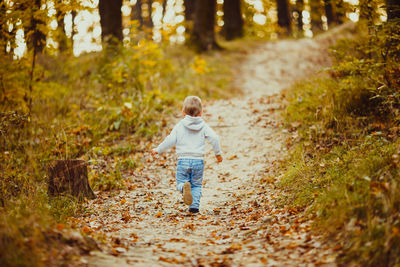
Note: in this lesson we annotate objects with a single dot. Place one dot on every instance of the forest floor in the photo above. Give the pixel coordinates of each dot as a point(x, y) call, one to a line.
point(241, 223)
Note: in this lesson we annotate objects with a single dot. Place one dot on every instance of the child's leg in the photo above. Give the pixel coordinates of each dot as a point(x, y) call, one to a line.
point(182, 173)
point(196, 182)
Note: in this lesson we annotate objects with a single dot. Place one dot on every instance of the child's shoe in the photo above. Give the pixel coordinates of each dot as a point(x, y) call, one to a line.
point(187, 193)
point(193, 210)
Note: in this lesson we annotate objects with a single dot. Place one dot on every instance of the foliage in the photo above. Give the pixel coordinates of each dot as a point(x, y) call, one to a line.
point(369, 71)
point(345, 168)
point(100, 107)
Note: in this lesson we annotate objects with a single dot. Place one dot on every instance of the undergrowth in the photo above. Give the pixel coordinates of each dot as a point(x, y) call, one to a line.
point(102, 107)
point(345, 167)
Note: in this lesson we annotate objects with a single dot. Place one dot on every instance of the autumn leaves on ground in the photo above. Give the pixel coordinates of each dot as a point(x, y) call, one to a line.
point(240, 222)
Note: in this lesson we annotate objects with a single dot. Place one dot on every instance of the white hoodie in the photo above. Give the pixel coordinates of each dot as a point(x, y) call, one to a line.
point(189, 138)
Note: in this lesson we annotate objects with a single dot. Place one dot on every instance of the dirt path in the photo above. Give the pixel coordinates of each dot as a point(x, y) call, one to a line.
point(240, 224)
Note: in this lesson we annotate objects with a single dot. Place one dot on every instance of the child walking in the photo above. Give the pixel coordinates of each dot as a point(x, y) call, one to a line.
point(189, 138)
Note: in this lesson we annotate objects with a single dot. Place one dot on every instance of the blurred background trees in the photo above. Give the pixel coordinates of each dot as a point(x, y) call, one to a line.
point(31, 30)
point(81, 26)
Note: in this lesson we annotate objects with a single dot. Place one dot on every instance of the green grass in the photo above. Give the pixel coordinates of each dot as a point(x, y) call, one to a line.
point(345, 168)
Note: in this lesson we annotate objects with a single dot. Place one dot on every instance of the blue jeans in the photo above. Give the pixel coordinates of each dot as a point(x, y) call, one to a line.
point(190, 170)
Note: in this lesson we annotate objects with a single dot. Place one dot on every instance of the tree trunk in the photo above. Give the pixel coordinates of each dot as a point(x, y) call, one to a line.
point(3, 38)
point(69, 176)
point(203, 37)
point(164, 8)
point(137, 13)
point(330, 16)
point(233, 21)
point(149, 20)
point(38, 40)
point(299, 9)
point(284, 18)
point(190, 6)
point(393, 9)
point(316, 13)
point(340, 12)
point(73, 31)
point(62, 37)
point(12, 39)
point(111, 20)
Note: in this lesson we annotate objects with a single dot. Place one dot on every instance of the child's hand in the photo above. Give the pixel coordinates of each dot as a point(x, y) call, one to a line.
point(219, 158)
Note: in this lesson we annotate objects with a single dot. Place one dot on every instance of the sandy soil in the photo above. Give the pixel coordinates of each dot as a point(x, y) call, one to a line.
point(240, 223)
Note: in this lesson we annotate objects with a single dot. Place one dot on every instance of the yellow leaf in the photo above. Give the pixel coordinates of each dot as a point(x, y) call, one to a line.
point(233, 157)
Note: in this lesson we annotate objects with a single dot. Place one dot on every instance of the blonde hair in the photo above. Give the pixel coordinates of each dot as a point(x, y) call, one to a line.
point(192, 106)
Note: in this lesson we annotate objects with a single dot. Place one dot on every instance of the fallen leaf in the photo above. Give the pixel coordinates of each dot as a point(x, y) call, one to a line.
point(233, 157)
point(234, 247)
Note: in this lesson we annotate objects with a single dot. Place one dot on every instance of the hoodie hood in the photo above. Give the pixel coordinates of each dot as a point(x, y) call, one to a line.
point(193, 123)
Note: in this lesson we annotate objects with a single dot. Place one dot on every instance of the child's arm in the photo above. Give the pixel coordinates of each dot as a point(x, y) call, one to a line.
point(214, 140)
point(169, 142)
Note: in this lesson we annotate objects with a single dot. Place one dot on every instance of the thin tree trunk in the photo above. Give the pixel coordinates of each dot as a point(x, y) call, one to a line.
point(73, 30)
point(38, 37)
point(150, 5)
point(340, 12)
point(284, 18)
point(3, 39)
point(29, 96)
point(137, 13)
point(61, 34)
point(36, 44)
point(330, 16)
point(233, 21)
point(299, 9)
point(316, 13)
point(164, 8)
point(203, 37)
point(190, 7)
point(149, 20)
point(392, 9)
point(111, 20)
point(12, 39)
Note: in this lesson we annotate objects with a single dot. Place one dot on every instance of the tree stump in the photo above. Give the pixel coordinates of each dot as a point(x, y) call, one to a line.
point(69, 176)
